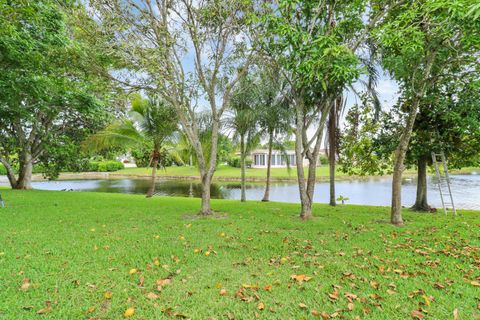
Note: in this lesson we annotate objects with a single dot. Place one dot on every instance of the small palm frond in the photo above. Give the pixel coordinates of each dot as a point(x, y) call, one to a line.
point(139, 104)
point(118, 134)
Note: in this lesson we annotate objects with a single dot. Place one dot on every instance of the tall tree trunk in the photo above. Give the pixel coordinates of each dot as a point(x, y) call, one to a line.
point(421, 202)
point(24, 181)
point(307, 187)
point(208, 172)
point(206, 208)
point(313, 155)
point(155, 160)
point(311, 180)
point(401, 151)
point(266, 196)
point(305, 201)
point(243, 152)
point(332, 132)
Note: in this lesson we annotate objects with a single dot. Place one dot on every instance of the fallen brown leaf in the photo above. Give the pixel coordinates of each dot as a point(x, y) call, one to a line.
point(417, 314)
point(455, 314)
point(25, 284)
point(300, 277)
point(47, 309)
point(163, 282)
point(334, 295)
point(152, 296)
point(438, 286)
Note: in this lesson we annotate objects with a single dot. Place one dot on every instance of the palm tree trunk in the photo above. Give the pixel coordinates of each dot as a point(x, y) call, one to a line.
point(266, 196)
point(332, 131)
point(155, 160)
point(243, 152)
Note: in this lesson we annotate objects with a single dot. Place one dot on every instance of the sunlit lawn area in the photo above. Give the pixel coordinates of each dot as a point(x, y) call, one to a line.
point(94, 255)
point(224, 171)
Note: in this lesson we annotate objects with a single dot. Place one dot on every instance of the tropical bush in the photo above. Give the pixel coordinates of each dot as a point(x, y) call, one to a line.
point(105, 166)
point(38, 168)
point(142, 155)
point(323, 160)
point(235, 162)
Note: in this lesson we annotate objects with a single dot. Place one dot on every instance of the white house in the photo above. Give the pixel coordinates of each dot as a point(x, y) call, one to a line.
point(279, 159)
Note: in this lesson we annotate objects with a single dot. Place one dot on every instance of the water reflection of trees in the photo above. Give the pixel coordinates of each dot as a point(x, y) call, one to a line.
point(187, 189)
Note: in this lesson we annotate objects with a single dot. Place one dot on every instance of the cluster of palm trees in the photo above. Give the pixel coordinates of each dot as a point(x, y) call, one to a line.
point(260, 110)
point(151, 121)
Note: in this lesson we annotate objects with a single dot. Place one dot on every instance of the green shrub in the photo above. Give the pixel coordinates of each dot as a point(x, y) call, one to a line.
point(105, 166)
point(110, 166)
point(87, 166)
point(38, 168)
point(142, 154)
point(323, 160)
point(102, 167)
point(235, 162)
point(92, 166)
point(248, 162)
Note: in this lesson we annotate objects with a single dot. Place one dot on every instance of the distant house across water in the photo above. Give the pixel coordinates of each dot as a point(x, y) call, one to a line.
point(127, 160)
point(279, 158)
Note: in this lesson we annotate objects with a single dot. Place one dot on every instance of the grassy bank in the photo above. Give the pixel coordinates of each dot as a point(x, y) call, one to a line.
point(228, 173)
point(223, 171)
point(94, 255)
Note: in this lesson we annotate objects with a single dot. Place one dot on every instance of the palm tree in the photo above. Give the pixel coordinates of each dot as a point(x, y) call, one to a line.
point(332, 141)
point(275, 117)
point(150, 120)
point(332, 136)
point(244, 122)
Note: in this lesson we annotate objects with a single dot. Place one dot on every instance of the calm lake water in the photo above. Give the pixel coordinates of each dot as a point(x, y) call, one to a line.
point(375, 191)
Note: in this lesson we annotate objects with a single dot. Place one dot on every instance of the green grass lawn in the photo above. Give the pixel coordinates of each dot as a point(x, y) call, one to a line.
point(93, 255)
point(224, 171)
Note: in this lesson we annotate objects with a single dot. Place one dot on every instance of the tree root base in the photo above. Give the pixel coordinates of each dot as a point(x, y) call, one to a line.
point(422, 208)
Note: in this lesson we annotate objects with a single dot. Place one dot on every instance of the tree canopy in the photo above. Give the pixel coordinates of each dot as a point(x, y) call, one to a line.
point(49, 99)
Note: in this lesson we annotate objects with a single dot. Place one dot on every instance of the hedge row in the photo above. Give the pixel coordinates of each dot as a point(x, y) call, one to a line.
point(105, 166)
point(91, 166)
